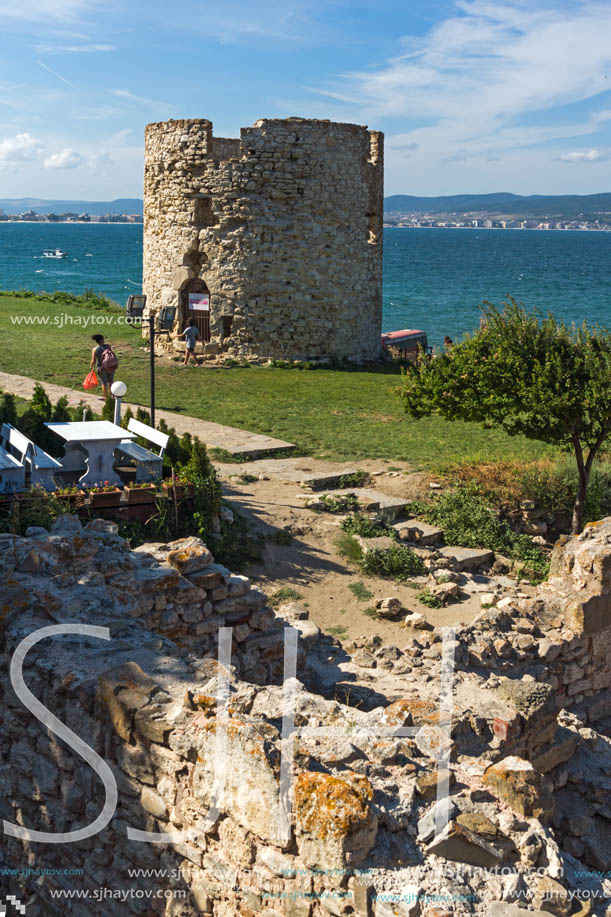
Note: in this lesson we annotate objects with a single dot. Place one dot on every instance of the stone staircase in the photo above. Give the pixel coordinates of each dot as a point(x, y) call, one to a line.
point(410, 531)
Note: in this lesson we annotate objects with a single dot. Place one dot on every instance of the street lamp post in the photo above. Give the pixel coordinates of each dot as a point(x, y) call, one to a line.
point(118, 390)
point(165, 323)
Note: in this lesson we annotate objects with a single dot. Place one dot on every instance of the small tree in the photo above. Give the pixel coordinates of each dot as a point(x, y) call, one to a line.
point(41, 403)
point(528, 374)
point(108, 411)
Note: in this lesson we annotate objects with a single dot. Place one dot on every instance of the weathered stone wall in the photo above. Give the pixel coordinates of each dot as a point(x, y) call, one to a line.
point(284, 226)
point(146, 702)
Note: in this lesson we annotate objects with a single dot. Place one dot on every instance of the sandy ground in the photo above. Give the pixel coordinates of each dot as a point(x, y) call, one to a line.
point(311, 565)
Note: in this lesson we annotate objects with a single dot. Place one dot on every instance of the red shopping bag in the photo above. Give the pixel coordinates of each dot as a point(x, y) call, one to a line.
point(91, 381)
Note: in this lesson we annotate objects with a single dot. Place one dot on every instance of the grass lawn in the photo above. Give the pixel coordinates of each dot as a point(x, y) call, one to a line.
point(332, 414)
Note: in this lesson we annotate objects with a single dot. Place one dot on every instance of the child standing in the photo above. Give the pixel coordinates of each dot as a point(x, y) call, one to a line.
point(190, 335)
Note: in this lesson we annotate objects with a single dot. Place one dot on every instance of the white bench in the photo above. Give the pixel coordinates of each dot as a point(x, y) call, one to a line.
point(149, 465)
point(41, 466)
point(12, 473)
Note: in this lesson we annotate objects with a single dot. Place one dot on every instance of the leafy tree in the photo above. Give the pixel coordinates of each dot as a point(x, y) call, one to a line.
point(528, 374)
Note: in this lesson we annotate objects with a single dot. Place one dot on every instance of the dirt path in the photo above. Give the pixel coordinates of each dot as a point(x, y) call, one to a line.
point(310, 565)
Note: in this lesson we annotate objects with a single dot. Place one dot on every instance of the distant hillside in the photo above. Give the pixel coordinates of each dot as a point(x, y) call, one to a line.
point(95, 208)
point(569, 206)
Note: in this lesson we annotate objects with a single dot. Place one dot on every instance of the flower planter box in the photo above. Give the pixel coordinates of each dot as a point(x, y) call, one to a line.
point(180, 491)
point(106, 498)
point(141, 494)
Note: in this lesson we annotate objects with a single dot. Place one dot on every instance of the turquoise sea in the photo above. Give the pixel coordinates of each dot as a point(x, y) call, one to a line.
point(434, 279)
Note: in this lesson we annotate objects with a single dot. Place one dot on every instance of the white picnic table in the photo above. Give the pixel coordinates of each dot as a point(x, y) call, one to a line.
point(91, 444)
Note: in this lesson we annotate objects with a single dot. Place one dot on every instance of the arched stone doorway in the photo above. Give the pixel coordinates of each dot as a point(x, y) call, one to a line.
point(195, 303)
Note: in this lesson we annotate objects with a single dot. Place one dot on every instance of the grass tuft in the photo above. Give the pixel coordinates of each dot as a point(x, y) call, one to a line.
point(360, 591)
point(284, 595)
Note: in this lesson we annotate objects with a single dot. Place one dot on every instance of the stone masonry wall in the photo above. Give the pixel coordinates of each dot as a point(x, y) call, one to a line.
point(284, 226)
point(530, 757)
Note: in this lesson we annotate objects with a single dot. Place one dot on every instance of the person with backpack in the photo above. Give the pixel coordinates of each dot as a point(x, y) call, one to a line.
point(104, 360)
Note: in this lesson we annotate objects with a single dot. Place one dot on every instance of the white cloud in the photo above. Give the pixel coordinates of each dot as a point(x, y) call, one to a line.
point(19, 149)
point(65, 159)
point(587, 156)
point(472, 84)
point(41, 10)
point(87, 48)
point(140, 100)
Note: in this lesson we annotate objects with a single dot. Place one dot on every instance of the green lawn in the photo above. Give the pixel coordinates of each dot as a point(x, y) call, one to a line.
point(331, 414)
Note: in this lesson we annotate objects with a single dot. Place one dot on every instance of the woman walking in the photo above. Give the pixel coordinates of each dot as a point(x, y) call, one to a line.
point(104, 361)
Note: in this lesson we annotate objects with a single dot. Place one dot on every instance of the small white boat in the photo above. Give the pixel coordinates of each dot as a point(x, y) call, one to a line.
point(54, 253)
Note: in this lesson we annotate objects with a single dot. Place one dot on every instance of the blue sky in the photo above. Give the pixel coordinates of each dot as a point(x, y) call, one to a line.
point(473, 96)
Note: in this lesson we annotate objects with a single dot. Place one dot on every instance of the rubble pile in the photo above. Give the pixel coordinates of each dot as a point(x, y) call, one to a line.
point(385, 800)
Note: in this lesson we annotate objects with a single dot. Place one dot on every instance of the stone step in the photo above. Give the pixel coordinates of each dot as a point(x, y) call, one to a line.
point(379, 543)
point(324, 480)
point(372, 501)
point(420, 532)
point(467, 558)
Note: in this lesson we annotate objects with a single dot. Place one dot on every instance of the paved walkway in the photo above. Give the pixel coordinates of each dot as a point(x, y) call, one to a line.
point(214, 435)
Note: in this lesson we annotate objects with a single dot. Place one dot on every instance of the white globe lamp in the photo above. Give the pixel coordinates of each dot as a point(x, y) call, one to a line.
point(118, 390)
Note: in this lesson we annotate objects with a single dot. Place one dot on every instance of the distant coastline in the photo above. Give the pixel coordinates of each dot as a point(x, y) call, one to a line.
point(506, 228)
point(71, 222)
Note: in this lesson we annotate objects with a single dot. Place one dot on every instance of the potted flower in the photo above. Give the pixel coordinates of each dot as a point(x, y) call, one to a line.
point(105, 494)
point(140, 492)
point(73, 495)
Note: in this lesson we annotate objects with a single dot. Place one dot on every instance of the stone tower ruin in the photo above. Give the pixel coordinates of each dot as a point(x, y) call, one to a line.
point(272, 242)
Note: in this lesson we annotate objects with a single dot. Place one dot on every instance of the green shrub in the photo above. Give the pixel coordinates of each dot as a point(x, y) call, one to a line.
point(41, 403)
point(32, 424)
point(34, 508)
point(8, 409)
point(337, 504)
point(348, 547)
point(367, 526)
point(553, 487)
point(469, 522)
point(397, 562)
point(108, 411)
point(61, 411)
point(426, 597)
